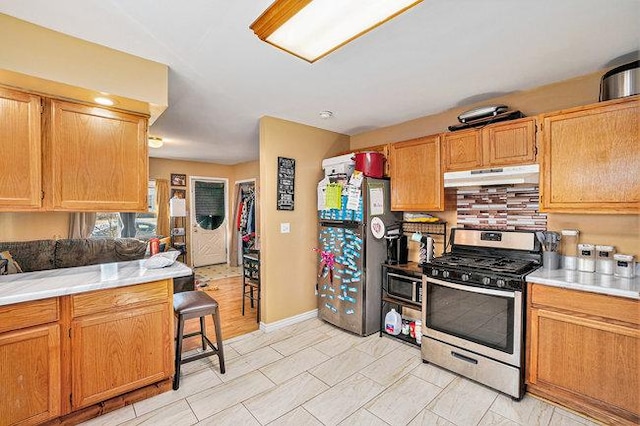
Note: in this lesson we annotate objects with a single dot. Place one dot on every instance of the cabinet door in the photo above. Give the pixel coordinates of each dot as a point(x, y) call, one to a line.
point(97, 159)
point(20, 152)
point(585, 360)
point(30, 375)
point(510, 143)
point(462, 150)
point(590, 159)
point(416, 177)
point(116, 352)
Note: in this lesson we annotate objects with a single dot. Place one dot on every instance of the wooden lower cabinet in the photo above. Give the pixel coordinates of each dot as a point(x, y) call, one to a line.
point(584, 352)
point(116, 353)
point(121, 339)
point(76, 355)
point(30, 375)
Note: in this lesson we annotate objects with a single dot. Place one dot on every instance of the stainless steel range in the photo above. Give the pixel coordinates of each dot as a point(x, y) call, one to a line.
point(473, 306)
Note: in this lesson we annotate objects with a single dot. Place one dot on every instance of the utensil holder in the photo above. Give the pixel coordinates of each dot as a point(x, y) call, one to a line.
point(550, 260)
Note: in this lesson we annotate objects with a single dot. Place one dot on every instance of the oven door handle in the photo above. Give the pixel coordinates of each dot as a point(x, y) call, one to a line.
point(473, 289)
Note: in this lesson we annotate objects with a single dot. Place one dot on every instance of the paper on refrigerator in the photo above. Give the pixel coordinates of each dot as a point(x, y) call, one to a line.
point(322, 186)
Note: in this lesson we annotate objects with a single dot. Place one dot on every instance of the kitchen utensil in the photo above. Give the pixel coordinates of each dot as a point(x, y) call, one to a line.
point(621, 81)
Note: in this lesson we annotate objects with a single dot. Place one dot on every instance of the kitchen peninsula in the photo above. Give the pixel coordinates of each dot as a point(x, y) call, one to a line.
point(80, 341)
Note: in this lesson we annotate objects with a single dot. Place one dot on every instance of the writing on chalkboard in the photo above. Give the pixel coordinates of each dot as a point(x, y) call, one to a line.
point(286, 182)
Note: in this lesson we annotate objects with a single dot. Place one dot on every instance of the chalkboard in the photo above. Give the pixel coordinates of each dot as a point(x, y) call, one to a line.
point(286, 181)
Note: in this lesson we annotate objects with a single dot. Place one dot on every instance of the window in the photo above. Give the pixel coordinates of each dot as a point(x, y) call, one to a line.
point(139, 225)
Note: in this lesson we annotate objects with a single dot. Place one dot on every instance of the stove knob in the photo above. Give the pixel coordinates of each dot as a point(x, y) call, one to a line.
point(486, 281)
point(434, 272)
point(445, 274)
point(465, 277)
point(500, 282)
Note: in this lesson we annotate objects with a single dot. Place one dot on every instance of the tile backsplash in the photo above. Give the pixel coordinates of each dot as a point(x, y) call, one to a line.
point(509, 207)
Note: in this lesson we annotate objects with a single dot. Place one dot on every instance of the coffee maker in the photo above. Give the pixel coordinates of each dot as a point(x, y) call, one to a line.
point(397, 249)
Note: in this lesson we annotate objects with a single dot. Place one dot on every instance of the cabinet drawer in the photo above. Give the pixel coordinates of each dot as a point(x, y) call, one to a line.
point(130, 296)
point(600, 305)
point(27, 314)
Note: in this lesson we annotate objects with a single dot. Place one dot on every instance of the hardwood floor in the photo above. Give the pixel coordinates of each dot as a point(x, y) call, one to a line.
point(228, 293)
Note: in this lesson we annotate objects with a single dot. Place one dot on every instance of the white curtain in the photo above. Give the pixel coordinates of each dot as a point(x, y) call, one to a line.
point(81, 224)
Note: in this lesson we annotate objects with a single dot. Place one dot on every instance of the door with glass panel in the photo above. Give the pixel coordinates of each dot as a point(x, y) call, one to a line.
point(208, 221)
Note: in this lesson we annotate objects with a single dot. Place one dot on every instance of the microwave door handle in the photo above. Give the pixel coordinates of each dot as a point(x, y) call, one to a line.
point(470, 288)
point(404, 277)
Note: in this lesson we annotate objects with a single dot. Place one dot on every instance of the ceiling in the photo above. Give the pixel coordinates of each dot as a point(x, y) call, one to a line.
point(222, 78)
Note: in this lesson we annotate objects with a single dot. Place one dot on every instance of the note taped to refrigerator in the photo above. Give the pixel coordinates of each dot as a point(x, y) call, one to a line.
point(376, 200)
point(353, 198)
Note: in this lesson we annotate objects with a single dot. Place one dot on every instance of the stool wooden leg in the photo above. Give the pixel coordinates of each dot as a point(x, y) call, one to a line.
point(216, 321)
point(258, 309)
point(251, 299)
point(176, 378)
point(203, 330)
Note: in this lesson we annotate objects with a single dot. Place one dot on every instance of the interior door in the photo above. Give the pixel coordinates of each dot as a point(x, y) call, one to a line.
point(208, 221)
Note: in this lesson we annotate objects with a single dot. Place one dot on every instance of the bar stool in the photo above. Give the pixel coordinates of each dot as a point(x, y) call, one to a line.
point(196, 304)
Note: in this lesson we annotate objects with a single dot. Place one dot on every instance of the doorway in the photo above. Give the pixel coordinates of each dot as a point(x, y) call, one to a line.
point(209, 221)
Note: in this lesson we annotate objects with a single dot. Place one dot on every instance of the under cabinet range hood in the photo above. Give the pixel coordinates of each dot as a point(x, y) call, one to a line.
point(494, 176)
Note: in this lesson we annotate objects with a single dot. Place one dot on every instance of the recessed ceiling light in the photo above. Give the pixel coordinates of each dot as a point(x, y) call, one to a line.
point(155, 142)
point(104, 101)
point(326, 114)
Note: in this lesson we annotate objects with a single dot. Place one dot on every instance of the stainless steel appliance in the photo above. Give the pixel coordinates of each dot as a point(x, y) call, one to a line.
point(351, 249)
point(403, 286)
point(620, 82)
point(473, 306)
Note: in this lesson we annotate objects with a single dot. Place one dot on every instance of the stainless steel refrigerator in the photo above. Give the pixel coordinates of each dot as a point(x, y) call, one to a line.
point(351, 249)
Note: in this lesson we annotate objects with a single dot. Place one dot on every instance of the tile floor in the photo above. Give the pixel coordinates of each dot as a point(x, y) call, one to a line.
point(206, 274)
point(315, 374)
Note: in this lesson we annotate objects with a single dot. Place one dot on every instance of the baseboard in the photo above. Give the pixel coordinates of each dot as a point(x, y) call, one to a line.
point(273, 326)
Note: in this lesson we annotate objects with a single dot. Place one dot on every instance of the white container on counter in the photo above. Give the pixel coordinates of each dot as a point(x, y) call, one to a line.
point(586, 258)
point(604, 259)
point(625, 265)
point(570, 248)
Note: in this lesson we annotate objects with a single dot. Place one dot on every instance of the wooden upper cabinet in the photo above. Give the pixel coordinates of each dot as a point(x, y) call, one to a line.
point(97, 159)
point(500, 144)
point(510, 143)
point(416, 175)
point(462, 150)
point(591, 159)
point(20, 151)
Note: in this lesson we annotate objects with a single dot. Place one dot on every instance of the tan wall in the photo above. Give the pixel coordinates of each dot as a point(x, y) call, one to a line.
point(70, 67)
point(288, 262)
point(33, 226)
point(622, 231)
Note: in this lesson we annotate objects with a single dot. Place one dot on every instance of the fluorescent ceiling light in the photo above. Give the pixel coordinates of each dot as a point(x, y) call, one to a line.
point(311, 29)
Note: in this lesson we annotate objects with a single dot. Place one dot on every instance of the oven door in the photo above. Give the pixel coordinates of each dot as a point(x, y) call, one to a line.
point(403, 287)
point(485, 321)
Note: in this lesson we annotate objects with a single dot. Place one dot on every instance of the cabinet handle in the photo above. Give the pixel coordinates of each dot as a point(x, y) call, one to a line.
point(464, 358)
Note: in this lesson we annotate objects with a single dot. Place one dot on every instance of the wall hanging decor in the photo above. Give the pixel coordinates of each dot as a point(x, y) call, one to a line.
point(286, 182)
point(178, 179)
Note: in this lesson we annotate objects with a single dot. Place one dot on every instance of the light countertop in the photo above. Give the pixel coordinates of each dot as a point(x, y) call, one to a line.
point(38, 285)
point(588, 281)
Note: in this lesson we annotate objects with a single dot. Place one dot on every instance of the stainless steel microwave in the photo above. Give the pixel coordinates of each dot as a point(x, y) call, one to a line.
point(404, 287)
